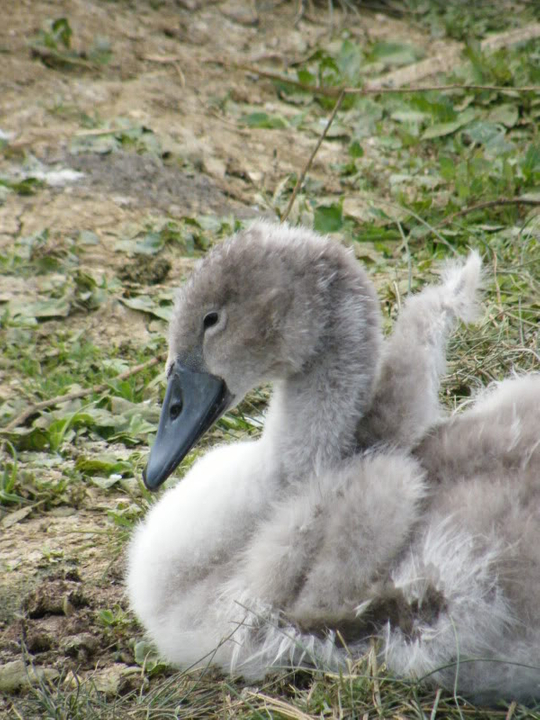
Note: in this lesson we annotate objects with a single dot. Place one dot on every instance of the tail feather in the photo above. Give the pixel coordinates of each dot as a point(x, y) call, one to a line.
point(461, 283)
point(406, 399)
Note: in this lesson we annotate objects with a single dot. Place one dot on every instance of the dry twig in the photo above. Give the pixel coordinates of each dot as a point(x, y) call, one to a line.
point(488, 204)
point(173, 60)
point(312, 157)
point(53, 58)
point(369, 89)
point(449, 57)
point(20, 419)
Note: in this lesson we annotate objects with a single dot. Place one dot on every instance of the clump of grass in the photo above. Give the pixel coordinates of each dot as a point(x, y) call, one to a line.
point(364, 691)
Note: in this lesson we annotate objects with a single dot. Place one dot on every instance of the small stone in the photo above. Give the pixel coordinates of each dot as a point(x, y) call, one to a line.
point(189, 4)
point(81, 646)
point(56, 597)
point(108, 680)
point(132, 678)
point(12, 676)
point(15, 675)
point(72, 680)
point(239, 13)
point(37, 641)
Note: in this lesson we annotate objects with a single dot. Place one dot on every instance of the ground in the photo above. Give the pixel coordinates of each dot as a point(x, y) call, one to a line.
point(135, 134)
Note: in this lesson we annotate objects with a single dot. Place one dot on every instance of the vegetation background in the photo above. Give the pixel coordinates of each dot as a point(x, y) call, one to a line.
point(134, 134)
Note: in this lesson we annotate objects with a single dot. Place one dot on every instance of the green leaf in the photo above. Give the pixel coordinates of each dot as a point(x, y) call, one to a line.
point(409, 116)
point(149, 142)
point(14, 517)
point(438, 106)
point(448, 128)
point(392, 53)
point(146, 656)
point(33, 438)
point(530, 166)
point(263, 120)
point(87, 237)
point(329, 73)
point(57, 432)
point(506, 115)
point(106, 617)
point(151, 244)
point(349, 61)
point(101, 50)
point(356, 150)
point(142, 650)
point(488, 134)
point(145, 304)
point(102, 466)
point(99, 144)
point(94, 416)
point(447, 168)
point(441, 129)
point(28, 186)
point(305, 77)
point(62, 32)
point(56, 307)
point(328, 218)
point(367, 113)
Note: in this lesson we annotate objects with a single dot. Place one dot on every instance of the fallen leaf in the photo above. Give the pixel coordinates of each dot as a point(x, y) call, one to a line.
point(16, 516)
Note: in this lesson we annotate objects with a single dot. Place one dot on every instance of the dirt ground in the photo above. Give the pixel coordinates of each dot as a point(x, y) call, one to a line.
point(163, 76)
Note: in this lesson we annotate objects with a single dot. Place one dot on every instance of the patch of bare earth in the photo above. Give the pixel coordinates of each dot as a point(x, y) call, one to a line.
point(60, 570)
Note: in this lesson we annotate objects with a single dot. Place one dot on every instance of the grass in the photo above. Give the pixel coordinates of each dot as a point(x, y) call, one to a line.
point(364, 692)
point(409, 172)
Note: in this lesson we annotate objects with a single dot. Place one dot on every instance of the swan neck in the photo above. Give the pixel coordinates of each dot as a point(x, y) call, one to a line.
point(313, 415)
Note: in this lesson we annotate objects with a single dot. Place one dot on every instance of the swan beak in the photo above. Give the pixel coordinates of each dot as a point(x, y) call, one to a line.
point(193, 402)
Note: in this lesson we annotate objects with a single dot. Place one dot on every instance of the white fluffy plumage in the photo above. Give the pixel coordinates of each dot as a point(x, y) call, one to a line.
point(362, 510)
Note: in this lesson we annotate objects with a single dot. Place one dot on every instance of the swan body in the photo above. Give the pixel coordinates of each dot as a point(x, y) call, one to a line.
point(362, 510)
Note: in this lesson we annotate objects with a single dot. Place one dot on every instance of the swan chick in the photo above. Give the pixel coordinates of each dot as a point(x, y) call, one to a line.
point(281, 305)
point(272, 552)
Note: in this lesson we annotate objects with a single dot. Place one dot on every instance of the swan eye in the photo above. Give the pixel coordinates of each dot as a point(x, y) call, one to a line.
point(210, 319)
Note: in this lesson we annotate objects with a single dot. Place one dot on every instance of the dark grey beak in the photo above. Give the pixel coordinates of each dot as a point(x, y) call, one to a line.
point(193, 402)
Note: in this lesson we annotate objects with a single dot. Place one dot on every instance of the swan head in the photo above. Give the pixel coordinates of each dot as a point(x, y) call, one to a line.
point(256, 309)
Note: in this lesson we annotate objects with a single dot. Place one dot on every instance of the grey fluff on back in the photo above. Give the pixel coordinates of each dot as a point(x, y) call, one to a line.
point(364, 510)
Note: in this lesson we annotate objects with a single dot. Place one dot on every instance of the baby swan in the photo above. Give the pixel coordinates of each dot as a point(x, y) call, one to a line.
point(269, 551)
point(281, 305)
